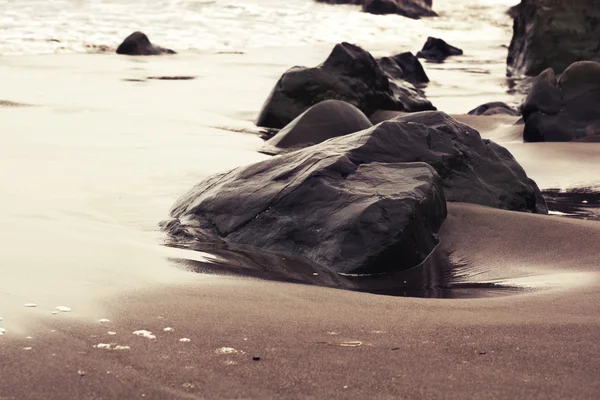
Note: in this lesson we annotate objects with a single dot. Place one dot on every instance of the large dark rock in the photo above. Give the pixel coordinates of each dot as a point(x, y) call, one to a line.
point(327, 119)
point(368, 202)
point(138, 44)
point(349, 74)
point(404, 66)
point(494, 108)
point(553, 34)
point(409, 8)
point(564, 109)
point(436, 49)
point(348, 215)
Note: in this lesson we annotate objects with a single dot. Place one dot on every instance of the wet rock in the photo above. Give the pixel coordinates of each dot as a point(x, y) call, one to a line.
point(327, 119)
point(564, 109)
point(436, 49)
point(553, 34)
point(414, 9)
point(364, 203)
point(494, 108)
point(349, 74)
point(404, 66)
point(138, 44)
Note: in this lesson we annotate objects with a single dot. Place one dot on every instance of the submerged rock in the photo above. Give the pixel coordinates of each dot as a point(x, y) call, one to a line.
point(553, 34)
point(404, 66)
point(436, 49)
point(138, 44)
point(414, 9)
point(327, 119)
point(564, 109)
point(349, 74)
point(368, 202)
point(494, 108)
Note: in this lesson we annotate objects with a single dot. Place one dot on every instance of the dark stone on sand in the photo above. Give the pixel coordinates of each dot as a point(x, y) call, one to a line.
point(138, 44)
point(414, 9)
point(256, 358)
point(494, 108)
point(369, 202)
point(553, 34)
point(349, 216)
point(436, 49)
point(349, 74)
point(564, 109)
point(327, 119)
point(404, 66)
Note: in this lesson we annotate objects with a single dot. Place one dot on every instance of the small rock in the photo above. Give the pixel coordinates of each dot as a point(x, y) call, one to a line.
point(168, 329)
point(185, 340)
point(2, 331)
point(256, 358)
point(30, 305)
point(63, 309)
point(103, 321)
point(81, 372)
point(144, 333)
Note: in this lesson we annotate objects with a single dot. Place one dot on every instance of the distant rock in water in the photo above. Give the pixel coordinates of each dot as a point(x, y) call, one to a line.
point(564, 109)
point(138, 44)
point(494, 108)
point(325, 120)
point(414, 9)
point(365, 203)
point(349, 74)
point(436, 49)
point(404, 66)
point(553, 34)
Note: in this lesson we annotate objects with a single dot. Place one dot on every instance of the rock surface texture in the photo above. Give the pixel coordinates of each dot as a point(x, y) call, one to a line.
point(364, 203)
point(565, 108)
point(138, 44)
point(436, 49)
point(553, 34)
point(349, 74)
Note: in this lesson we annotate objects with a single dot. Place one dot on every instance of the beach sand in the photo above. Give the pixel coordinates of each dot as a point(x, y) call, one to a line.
point(99, 154)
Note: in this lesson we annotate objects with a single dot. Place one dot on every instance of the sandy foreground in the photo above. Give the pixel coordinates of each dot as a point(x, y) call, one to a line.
point(93, 155)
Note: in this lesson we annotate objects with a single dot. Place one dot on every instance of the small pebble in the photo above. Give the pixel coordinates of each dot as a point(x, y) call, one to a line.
point(63, 309)
point(482, 352)
point(346, 387)
point(103, 321)
point(1, 319)
point(81, 372)
point(27, 348)
point(54, 312)
point(185, 340)
point(256, 358)
point(168, 329)
point(111, 333)
point(226, 350)
point(28, 338)
point(30, 305)
point(144, 333)
point(2, 331)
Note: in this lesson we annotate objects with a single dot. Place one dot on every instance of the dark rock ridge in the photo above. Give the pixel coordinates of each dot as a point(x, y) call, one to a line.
point(564, 109)
point(414, 9)
point(409, 8)
point(494, 108)
point(138, 44)
point(369, 202)
point(327, 119)
point(349, 74)
point(404, 66)
point(436, 49)
point(553, 34)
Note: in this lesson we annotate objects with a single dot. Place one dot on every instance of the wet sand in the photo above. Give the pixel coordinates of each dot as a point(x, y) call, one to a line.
point(97, 160)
